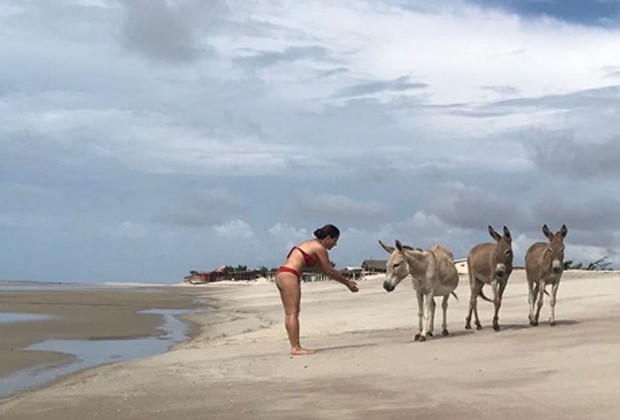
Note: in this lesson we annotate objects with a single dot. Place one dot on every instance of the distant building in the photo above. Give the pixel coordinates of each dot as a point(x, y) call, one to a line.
point(374, 266)
point(461, 266)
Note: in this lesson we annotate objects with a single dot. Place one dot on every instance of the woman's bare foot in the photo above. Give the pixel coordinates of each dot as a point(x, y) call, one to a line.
point(300, 351)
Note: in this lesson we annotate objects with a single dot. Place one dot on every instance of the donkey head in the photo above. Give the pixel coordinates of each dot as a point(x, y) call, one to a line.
point(502, 255)
point(397, 267)
point(554, 254)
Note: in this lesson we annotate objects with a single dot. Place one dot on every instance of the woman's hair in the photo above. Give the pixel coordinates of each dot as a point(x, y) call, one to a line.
point(327, 230)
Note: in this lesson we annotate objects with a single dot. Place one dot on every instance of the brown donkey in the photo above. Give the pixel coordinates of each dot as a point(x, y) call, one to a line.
point(489, 263)
point(544, 264)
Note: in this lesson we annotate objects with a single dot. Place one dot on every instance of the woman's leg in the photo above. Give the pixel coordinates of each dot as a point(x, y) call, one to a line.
point(290, 293)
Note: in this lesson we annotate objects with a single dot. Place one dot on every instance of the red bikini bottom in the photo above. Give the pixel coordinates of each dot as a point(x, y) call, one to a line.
point(284, 269)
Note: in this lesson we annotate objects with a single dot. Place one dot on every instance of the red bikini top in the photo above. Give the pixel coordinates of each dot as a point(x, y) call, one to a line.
point(309, 259)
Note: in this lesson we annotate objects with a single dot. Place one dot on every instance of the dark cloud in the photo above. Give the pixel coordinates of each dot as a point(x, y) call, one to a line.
point(589, 99)
point(341, 208)
point(400, 84)
point(165, 31)
point(270, 58)
point(590, 211)
point(202, 208)
point(502, 90)
point(564, 155)
point(332, 72)
point(472, 207)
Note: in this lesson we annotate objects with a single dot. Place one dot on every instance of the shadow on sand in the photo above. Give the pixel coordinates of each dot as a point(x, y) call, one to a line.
point(526, 325)
point(350, 346)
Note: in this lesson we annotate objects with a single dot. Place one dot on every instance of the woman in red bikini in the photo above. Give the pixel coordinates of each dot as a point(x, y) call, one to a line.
point(288, 278)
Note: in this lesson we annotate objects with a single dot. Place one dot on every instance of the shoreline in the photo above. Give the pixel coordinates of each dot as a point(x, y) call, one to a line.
point(367, 365)
point(83, 327)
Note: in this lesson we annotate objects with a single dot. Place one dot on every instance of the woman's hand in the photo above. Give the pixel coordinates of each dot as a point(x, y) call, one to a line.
point(352, 286)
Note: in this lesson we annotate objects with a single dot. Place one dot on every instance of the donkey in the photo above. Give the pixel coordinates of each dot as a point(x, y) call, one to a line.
point(544, 264)
point(489, 263)
point(433, 273)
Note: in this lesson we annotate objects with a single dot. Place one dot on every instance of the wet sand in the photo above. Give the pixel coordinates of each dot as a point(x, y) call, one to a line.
point(91, 314)
point(367, 365)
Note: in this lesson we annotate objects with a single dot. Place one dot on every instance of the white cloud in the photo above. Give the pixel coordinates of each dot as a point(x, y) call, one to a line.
point(128, 230)
point(235, 229)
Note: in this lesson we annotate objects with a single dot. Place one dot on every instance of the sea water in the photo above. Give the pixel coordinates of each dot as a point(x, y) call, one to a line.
point(91, 353)
point(17, 317)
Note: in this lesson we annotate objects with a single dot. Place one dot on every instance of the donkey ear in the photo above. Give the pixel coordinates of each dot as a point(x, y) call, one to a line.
point(399, 246)
point(388, 249)
point(507, 234)
point(547, 232)
point(494, 234)
point(564, 231)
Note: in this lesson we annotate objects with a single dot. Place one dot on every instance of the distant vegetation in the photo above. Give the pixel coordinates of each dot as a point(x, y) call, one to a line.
point(243, 268)
point(599, 265)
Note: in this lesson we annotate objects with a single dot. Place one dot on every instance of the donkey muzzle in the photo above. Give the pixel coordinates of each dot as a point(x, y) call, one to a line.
point(500, 270)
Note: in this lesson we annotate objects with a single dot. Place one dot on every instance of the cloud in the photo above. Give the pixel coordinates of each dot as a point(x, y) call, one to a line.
point(471, 207)
point(287, 232)
point(128, 230)
point(269, 58)
point(26, 221)
point(341, 207)
point(259, 121)
point(202, 207)
point(502, 90)
point(563, 154)
point(164, 31)
point(400, 84)
point(235, 229)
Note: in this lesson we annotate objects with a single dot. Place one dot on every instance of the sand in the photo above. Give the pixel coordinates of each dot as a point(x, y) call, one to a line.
point(367, 365)
point(89, 314)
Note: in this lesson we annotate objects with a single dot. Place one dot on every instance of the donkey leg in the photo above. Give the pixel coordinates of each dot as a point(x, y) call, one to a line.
point(431, 327)
point(475, 287)
point(554, 291)
point(420, 299)
point(444, 309)
point(428, 305)
point(531, 299)
point(472, 297)
point(539, 301)
point(497, 302)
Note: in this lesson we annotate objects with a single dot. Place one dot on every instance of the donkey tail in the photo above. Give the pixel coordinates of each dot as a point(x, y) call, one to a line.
point(454, 294)
point(484, 297)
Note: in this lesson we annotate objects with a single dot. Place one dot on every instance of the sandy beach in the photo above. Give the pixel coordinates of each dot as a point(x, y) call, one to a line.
point(367, 366)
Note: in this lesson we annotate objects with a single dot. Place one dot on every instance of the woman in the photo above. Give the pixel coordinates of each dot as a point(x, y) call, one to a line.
point(288, 278)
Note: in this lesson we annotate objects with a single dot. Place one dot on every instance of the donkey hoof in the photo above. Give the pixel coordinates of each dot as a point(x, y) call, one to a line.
point(496, 327)
point(422, 338)
point(445, 332)
point(478, 326)
point(534, 323)
point(467, 327)
point(552, 323)
point(417, 337)
point(429, 334)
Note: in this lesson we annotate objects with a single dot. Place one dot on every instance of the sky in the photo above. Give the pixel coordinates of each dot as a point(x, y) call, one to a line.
point(142, 139)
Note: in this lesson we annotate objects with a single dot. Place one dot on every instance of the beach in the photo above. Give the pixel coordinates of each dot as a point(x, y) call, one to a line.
point(235, 363)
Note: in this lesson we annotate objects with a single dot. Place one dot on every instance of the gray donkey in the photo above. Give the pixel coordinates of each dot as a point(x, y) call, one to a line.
point(544, 264)
point(432, 272)
point(489, 263)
